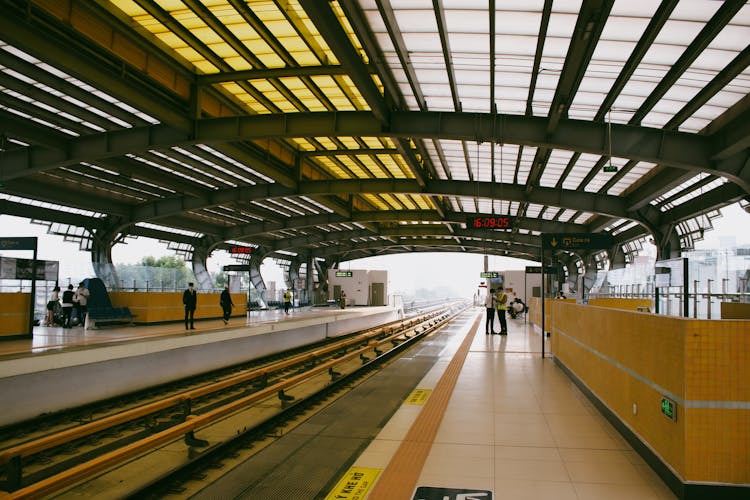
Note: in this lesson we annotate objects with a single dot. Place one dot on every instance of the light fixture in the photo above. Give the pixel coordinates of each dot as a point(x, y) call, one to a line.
point(609, 168)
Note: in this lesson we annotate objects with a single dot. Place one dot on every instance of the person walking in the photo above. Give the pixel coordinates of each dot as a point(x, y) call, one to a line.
point(226, 303)
point(67, 305)
point(190, 300)
point(287, 301)
point(489, 304)
point(82, 299)
point(502, 306)
point(54, 300)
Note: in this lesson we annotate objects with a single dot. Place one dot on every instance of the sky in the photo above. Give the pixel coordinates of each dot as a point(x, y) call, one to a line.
point(406, 272)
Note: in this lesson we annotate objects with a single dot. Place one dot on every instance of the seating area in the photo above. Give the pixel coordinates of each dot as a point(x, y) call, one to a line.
point(100, 316)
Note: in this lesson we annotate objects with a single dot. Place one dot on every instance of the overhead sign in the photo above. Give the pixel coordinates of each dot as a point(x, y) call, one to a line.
point(489, 274)
point(538, 270)
point(577, 241)
point(236, 267)
point(344, 274)
point(490, 222)
point(20, 269)
point(21, 243)
point(430, 493)
point(241, 250)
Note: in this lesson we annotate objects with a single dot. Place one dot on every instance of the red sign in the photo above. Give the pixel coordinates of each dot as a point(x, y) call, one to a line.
point(491, 222)
point(241, 250)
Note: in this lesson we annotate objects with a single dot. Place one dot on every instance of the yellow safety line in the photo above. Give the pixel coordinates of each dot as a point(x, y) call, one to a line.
point(399, 478)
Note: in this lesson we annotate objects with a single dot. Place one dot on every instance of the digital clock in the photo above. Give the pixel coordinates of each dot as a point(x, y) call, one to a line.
point(490, 222)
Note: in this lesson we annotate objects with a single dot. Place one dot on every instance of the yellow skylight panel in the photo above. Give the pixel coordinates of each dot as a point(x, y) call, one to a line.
point(302, 144)
point(333, 92)
point(372, 166)
point(171, 5)
point(128, 7)
point(406, 201)
point(349, 142)
point(373, 142)
point(206, 35)
point(393, 167)
point(349, 30)
point(334, 169)
point(238, 63)
point(327, 143)
point(375, 201)
point(205, 67)
point(423, 202)
point(172, 40)
point(392, 202)
point(351, 90)
point(357, 171)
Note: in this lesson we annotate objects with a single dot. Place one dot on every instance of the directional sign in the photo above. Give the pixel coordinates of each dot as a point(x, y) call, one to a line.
point(25, 243)
point(236, 267)
point(344, 274)
point(577, 241)
point(430, 493)
point(489, 274)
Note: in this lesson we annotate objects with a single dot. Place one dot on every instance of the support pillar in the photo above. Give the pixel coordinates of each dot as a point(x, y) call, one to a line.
point(102, 241)
point(257, 280)
point(203, 279)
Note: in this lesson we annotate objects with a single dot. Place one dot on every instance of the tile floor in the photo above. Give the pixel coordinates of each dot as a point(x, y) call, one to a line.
point(517, 426)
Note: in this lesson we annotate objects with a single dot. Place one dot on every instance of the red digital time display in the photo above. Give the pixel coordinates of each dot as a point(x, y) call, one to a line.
point(490, 222)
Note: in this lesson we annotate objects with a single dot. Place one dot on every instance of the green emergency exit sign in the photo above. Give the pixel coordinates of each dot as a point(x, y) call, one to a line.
point(610, 168)
point(669, 408)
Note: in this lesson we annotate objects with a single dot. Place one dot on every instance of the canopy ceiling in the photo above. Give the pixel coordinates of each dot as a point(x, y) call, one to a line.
point(348, 129)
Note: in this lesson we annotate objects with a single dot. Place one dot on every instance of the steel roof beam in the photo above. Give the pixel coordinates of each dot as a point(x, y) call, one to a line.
point(674, 148)
point(718, 22)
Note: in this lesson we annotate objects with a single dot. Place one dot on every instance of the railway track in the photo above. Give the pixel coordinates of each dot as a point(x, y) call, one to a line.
point(161, 437)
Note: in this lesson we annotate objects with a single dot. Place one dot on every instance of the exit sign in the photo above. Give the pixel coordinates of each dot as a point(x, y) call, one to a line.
point(669, 408)
point(610, 168)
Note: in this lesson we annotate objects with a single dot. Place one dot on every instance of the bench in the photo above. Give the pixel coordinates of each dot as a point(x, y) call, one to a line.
point(116, 315)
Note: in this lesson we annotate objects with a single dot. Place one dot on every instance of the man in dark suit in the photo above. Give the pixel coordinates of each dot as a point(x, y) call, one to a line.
point(226, 303)
point(190, 300)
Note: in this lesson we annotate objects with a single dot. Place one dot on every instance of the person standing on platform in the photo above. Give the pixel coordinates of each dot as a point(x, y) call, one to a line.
point(489, 304)
point(342, 299)
point(287, 301)
point(82, 299)
point(67, 305)
point(226, 303)
point(54, 300)
point(190, 300)
point(502, 306)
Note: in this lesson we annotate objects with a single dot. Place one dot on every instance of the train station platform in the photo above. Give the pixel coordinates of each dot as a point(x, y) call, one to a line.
point(463, 415)
point(60, 368)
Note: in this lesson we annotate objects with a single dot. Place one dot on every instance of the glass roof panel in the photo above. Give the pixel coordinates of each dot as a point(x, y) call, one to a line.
point(558, 160)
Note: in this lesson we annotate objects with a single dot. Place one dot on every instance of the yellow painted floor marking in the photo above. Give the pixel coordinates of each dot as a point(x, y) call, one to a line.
point(418, 397)
point(355, 484)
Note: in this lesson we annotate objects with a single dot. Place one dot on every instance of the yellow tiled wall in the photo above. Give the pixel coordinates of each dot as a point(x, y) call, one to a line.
point(629, 358)
point(14, 314)
point(619, 303)
point(153, 307)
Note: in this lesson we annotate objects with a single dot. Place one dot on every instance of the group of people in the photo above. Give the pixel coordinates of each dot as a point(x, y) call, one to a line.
point(190, 301)
point(69, 301)
point(496, 302)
